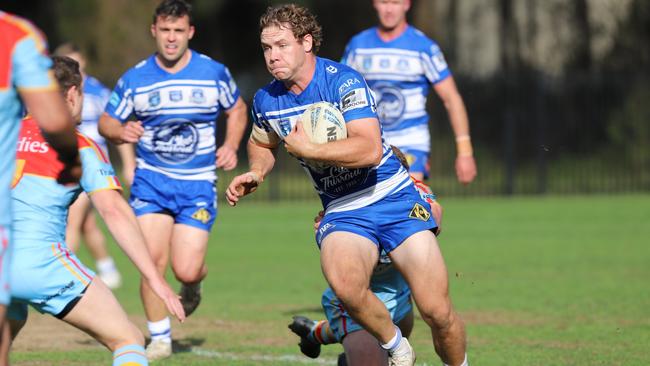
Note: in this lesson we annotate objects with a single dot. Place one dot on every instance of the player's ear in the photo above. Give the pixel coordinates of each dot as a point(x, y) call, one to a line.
point(153, 30)
point(308, 43)
point(191, 32)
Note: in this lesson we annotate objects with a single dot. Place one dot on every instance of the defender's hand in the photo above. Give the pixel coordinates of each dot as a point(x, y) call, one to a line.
point(242, 185)
point(132, 131)
point(465, 169)
point(226, 157)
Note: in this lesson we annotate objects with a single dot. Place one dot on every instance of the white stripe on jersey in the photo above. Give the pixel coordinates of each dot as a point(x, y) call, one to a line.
point(416, 137)
point(288, 110)
point(206, 173)
point(177, 82)
point(386, 51)
point(178, 111)
point(173, 97)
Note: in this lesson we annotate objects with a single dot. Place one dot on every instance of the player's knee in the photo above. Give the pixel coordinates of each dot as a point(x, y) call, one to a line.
point(189, 275)
point(438, 315)
point(351, 296)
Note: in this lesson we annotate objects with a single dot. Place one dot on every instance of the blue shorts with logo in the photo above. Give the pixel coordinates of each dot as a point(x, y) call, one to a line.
point(5, 261)
point(389, 286)
point(47, 276)
point(190, 202)
point(387, 222)
point(418, 161)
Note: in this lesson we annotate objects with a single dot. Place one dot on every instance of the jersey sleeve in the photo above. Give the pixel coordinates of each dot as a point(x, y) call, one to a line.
point(348, 55)
point(228, 91)
point(120, 102)
point(97, 172)
point(262, 134)
point(434, 64)
point(356, 99)
point(30, 62)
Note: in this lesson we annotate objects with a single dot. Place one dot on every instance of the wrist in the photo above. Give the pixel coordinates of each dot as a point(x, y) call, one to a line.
point(464, 146)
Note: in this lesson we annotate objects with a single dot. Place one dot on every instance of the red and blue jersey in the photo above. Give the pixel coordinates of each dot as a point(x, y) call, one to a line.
point(24, 65)
point(40, 203)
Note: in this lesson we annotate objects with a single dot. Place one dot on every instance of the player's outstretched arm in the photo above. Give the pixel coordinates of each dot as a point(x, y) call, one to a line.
point(118, 133)
point(236, 119)
point(49, 109)
point(127, 155)
point(123, 225)
point(465, 164)
point(261, 160)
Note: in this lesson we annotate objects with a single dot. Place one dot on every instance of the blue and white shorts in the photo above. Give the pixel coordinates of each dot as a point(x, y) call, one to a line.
point(192, 203)
point(387, 222)
point(48, 277)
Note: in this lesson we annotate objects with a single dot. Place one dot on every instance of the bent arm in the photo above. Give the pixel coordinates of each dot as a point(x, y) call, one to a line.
point(111, 129)
point(261, 159)
point(236, 120)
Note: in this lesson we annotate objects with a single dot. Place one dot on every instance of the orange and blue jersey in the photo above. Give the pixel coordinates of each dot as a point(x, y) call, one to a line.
point(40, 202)
point(43, 271)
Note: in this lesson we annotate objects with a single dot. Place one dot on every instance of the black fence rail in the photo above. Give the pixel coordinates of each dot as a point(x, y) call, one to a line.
point(532, 135)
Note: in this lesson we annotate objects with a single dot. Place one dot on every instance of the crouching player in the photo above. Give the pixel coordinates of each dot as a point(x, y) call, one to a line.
point(360, 347)
point(44, 273)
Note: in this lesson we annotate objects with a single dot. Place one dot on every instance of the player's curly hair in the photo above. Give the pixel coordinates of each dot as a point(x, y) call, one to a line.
point(174, 9)
point(66, 71)
point(297, 18)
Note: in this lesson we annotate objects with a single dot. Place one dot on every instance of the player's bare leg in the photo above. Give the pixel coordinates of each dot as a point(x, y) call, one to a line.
point(188, 249)
point(347, 261)
point(421, 263)
point(76, 217)
point(157, 230)
point(113, 328)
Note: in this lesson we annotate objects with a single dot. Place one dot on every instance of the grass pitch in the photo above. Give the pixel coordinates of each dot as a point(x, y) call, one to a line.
point(539, 281)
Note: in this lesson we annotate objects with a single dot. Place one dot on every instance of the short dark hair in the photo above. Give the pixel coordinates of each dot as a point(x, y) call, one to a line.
point(66, 72)
point(298, 18)
point(174, 9)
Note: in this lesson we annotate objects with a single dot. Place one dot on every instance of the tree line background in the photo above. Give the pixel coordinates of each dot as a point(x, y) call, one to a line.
point(558, 91)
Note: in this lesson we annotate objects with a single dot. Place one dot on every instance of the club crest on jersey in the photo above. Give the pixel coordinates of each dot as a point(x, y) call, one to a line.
point(419, 212)
point(175, 141)
point(202, 215)
point(367, 63)
point(154, 98)
point(402, 64)
point(175, 95)
point(198, 97)
point(391, 104)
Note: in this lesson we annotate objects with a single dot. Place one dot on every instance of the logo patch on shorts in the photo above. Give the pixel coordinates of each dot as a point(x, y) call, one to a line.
point(419, 212)
point(202, 215)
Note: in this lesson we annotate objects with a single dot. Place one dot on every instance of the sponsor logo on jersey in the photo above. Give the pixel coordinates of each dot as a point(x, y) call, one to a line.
point(391, 104)
point(356, 98)
point(336, 180)
point(175, 141)
point(347, 84)
point(26, 144)
point(419, 212)
point(175, 95)
point(154, 98)
point(198, 96)
point(331, 69)
point(202, 215)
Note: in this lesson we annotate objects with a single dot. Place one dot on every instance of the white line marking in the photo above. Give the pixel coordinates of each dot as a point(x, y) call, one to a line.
point(265, 358)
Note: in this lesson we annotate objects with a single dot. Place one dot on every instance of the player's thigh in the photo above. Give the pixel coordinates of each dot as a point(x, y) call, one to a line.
point(100, 315)
point(157, 229)
point(188, 249)
point(362, 349)
point(348, 259)
point(78, 212)
point(421, 263)
point(89, 224)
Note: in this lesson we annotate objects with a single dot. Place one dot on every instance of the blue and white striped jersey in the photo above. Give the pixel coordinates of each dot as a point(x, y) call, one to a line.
point(178, 112)
point(95, 99)
point(276, 110)
point(400, 72)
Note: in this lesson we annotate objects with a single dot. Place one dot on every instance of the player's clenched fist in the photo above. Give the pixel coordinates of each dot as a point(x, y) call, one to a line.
point(132, 131)
point(242, 185)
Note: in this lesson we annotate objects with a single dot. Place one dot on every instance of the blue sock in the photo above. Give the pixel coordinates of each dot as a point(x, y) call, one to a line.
point(131, 355)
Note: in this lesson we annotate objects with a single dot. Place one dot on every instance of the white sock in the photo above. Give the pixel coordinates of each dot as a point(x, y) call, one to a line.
point(106, 265)
point(160, 330)
point(465, 363)
point(394, 342)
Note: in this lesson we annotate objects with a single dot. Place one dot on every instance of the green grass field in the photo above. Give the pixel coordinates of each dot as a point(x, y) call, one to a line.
point(539, 281)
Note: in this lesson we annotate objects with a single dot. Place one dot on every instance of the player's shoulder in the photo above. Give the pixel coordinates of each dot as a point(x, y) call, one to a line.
point(339, 75)
point(420, 39)
point(203, 62)
point(93, 85)
point(270, 91)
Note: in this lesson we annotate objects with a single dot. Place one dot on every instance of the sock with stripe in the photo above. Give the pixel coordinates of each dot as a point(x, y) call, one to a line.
point(394, 342)
point(322, 333)
point(131, 355)
point(160, 330)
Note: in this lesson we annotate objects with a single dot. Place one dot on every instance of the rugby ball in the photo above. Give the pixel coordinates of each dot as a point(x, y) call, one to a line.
point(323, 123)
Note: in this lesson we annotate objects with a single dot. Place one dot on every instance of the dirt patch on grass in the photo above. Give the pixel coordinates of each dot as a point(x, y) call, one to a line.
point(503, 318)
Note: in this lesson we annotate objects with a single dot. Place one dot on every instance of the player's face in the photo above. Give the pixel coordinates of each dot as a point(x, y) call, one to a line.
point(284, 54)
point(172, 36)
point(391, 13)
